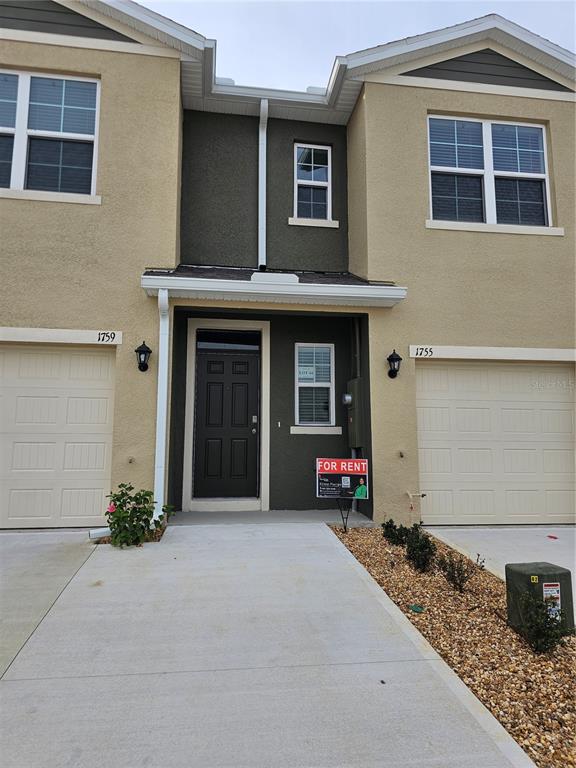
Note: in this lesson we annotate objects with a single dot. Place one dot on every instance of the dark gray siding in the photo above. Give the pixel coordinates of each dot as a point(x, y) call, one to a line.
point(47, 16)
point(487, 67)
point(219, 221)
point(292, 247)
point(292, 457)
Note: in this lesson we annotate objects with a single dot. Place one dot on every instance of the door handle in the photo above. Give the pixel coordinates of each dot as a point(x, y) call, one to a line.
point(253, 430)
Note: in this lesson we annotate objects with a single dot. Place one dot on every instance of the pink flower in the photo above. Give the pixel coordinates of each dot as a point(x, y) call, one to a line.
point(112, 508)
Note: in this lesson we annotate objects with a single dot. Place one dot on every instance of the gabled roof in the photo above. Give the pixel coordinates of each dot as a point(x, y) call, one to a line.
point(201, 89)
point(486, 28)
point(149, 23)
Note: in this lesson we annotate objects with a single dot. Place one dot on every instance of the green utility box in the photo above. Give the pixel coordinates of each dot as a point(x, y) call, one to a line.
point(548, 582)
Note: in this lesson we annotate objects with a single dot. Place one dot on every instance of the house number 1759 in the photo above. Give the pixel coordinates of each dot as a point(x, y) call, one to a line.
point(424, 351)
point(106, 336)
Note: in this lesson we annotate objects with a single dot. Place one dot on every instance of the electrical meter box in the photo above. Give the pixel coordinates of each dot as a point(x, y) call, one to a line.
point(356, 426)
point(548, 582)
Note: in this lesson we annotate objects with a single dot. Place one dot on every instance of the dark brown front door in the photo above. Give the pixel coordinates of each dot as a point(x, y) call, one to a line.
point(227, 414)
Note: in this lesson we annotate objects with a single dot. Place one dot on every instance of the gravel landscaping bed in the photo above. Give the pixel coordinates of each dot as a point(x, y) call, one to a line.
point(533, 696)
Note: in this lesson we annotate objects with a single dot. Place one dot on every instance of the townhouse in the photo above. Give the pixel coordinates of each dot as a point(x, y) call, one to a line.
point(271, 254)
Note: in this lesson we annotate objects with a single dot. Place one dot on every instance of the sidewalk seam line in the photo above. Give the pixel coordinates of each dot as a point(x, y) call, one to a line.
point(25, 643)
point(221, 669)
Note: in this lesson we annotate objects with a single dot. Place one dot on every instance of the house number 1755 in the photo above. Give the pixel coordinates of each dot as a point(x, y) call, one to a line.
point(424, 351)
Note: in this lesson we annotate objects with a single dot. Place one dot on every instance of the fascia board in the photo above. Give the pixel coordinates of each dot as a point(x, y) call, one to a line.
point(271, 94)
point(301, 293)
point(151, 24)
point(493, 25)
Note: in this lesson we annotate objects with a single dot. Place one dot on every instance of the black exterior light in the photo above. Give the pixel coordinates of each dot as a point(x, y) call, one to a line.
point(143, 353)
point(394, 361)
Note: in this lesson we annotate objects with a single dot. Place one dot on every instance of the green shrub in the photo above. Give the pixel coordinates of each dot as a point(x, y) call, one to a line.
point(420, 549)
point(458, 570)
point(541, 630)
point(395, 534)
point(131, 516)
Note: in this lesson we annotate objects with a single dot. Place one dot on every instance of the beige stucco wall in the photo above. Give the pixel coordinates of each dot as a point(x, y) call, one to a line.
point(464, 288)
point(78, 266)
point(357, 199)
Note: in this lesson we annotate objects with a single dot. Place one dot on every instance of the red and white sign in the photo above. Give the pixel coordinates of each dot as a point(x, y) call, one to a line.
point(342, 479)
point(551, 594)
point(342, 466)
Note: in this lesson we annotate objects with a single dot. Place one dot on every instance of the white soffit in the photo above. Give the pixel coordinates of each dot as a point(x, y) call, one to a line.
point(202, 90)
point(144, 21)
point(279, 292)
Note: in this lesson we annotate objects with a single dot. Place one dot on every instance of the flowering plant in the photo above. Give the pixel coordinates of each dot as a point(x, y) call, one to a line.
point(130, 516)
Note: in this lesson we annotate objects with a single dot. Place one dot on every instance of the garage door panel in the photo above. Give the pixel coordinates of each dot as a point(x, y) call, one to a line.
point(81, 504)
point(56, 413)
point(56, 410)
point(557, 421)
point(504, 456)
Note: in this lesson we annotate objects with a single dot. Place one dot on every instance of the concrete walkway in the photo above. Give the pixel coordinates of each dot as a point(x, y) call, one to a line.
point(513, 544)
point(237, 646)
point(35, 566)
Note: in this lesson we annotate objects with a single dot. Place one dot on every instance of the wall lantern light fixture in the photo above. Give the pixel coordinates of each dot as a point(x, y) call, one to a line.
point(394, 361)
point(143, 353)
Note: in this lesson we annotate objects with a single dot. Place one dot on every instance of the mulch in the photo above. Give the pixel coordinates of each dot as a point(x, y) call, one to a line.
point(533, 696)
point(156, 535)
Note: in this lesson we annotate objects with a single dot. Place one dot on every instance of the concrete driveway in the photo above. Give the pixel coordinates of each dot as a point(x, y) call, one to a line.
point(237, 646)
point(35, 567)
point(513, 544)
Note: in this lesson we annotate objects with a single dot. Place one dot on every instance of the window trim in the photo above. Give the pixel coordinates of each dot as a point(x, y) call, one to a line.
point(322, 385)
point(488, 174)
point(310, 183)
point(22, 133)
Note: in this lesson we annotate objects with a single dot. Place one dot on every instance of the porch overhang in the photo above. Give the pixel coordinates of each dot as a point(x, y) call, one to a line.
point(360, 294)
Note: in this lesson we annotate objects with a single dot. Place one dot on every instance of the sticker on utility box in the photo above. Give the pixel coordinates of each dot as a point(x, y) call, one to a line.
point(551, 594)
point(342, 478)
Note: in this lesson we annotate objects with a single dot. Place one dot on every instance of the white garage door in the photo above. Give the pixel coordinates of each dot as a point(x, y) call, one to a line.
point(496, 442)
point(56, 410)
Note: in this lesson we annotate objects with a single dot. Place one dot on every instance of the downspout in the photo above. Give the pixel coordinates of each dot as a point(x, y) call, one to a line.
point(262, 142)
point(162, 401)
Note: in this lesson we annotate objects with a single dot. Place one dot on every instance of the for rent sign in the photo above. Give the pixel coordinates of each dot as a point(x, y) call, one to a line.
point(342, 478)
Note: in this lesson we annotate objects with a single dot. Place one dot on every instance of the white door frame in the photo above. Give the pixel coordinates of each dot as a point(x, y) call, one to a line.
point(262, 503)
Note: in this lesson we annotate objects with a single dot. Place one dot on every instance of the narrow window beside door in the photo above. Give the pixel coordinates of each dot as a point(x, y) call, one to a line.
point(314, 384)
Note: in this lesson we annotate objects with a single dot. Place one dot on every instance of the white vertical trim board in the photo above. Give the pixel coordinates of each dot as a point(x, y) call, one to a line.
point(162, 402)
point(262, 503)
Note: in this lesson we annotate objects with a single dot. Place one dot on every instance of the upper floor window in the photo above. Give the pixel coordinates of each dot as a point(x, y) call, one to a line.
point(48, 128)
point(312, 182)
point(315, 403)
point(488, 171)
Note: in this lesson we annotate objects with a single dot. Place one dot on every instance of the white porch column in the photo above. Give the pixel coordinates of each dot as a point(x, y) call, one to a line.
point(161, 402)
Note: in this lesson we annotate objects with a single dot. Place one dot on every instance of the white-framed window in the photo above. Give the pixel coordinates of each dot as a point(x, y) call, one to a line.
point(314, 390)
point(48, 132)
point(490, 171)
point(313, 182)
